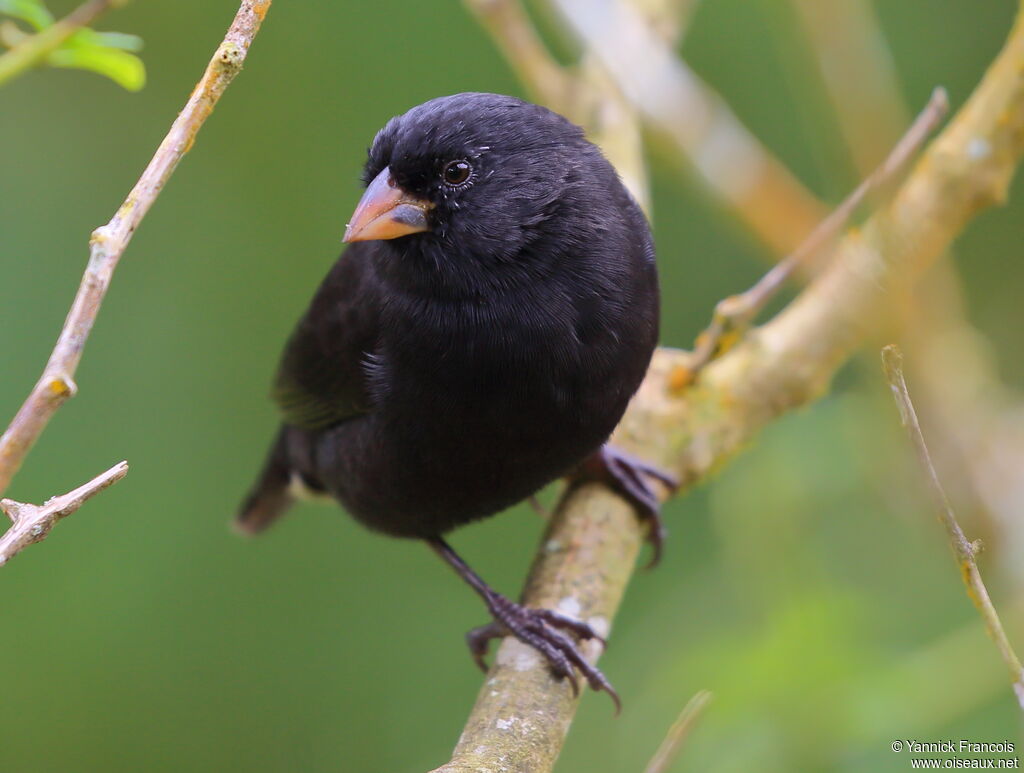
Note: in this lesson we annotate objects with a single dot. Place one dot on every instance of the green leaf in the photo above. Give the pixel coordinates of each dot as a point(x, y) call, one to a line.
point(31, 11)
point(106, 53)
point(120, 40)
point(125, 69)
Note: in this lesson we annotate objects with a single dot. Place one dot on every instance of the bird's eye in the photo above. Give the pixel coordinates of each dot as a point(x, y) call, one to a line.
point(456, 172)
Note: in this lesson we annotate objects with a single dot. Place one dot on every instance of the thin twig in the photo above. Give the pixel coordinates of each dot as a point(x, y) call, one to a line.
point(964, 550)
point(108, 242)
point(32, 523)
point(35, 48)
point(734, 314)
point(678, 733)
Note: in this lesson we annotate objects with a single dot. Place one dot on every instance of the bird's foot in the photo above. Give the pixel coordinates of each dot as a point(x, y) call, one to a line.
point(631, 477)
point(547, 632)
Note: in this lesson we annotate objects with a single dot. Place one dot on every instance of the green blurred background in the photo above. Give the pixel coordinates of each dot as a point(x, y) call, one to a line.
point(807, 586)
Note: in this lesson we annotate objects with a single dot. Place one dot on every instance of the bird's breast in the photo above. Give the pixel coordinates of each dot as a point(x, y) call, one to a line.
point(476, 406)
point(482, 364)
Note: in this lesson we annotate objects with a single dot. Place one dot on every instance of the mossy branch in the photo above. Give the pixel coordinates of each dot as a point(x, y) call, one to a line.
point(586, 558)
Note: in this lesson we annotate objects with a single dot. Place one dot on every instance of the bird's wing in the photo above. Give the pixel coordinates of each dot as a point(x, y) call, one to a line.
point(322, 377)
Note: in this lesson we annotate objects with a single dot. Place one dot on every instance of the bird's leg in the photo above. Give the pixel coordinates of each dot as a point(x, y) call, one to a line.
point(543, 629)
point(631, 477)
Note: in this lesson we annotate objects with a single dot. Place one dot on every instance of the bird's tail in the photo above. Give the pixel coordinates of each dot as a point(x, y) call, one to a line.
point(270, 497)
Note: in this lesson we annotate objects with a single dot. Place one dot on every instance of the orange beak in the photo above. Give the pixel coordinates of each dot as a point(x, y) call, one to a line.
point(386, 212)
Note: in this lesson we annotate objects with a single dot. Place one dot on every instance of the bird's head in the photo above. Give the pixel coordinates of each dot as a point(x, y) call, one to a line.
point(469, 182)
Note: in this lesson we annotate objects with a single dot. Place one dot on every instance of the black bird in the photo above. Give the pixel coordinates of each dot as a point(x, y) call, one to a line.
point(480, 339)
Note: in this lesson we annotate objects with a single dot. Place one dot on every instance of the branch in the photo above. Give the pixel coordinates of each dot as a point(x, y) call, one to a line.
point(586, 558)
point(964, 550)
point(108, 242)
point(32, 523)
point(36, 48)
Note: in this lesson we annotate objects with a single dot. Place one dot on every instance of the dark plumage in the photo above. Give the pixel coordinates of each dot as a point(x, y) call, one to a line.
point(481, 338)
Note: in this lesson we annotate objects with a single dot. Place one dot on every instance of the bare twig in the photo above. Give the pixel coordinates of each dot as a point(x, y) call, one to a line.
point(32, 523)
point(677, 734)
point(521, 714)
point(733, 315)
point(35, 48)
point(108, 242)
point(964, 550)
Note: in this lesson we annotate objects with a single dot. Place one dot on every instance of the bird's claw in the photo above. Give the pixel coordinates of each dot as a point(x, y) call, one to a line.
point(545, 631)
point(631, 477)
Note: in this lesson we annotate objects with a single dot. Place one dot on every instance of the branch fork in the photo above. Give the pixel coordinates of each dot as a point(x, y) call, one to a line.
point(734, 315)
point(32, 523)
